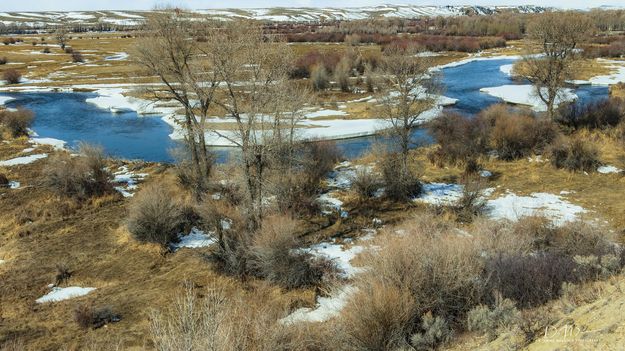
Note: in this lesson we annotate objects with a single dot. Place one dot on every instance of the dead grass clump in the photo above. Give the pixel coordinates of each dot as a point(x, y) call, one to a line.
point(276, 258)
point(12, 76)
point(17, 122)
point(221, 322)
point(154, 216)
point(573, 154)
point(80, 177)
point(378, 317)
point(87, 316)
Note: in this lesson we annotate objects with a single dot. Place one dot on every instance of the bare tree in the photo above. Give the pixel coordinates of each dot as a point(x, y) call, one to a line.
point(253, 69)
point(171, 52)
point(61, 36)
point(229, 69)
point(407, 87)
point(559, 34)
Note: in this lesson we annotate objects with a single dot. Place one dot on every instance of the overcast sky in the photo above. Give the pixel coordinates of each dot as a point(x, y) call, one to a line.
point(66, 5)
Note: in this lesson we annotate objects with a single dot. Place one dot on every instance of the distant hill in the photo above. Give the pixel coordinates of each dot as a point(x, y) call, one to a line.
point(278, 14)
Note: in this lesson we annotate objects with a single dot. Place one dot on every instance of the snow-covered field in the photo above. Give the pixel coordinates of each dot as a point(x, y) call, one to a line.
point(291, 14)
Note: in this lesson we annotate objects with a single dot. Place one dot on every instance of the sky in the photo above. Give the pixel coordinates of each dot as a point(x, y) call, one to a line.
point(69, 5)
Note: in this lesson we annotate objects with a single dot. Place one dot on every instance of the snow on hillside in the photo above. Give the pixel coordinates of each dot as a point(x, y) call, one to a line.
point(278, 14)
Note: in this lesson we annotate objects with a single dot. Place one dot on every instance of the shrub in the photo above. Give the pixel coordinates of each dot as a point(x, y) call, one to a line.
point(79, 177)
point(601, 114)
point(17, 122)
point(517, 136)
point(295, 194)
point(12, 76)
point(438, 267)
point(86, 316)
point(530, 280)
point(3, 60)
point(378, 317)
point(365, 183)
point(472, 202)
point(492, 320)
point(318, 158)
point(400, 184)
point(69, 50)
point(460, 139)
point(62, 274)
point(77, 57)
point(275, 257)
point(434, 331)
point(341, 75)
point(574, 154)
point(319, 78)
point(153, 215)
point(46, 50)
point(4, 181)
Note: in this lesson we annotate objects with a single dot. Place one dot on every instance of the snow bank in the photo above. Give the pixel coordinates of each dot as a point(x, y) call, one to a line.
point(112, 99)
point(60, 294)
point(14, 184)
point(514, 207)
point(5, 99)
point(24, 160)
point(196, 238)
point(55, 143)
point(506, 69)
point(526, 95)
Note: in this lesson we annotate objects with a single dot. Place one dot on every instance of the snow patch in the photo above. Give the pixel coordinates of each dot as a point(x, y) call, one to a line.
point(24, 160)
point(60, 294)
point(513, 207)
point(127, 181)
point(609, 169)
point(196, 238)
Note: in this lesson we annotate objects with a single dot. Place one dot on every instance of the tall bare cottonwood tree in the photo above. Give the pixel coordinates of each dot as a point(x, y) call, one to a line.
point(253, 69)
point(170, 51)
point(558, 34)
